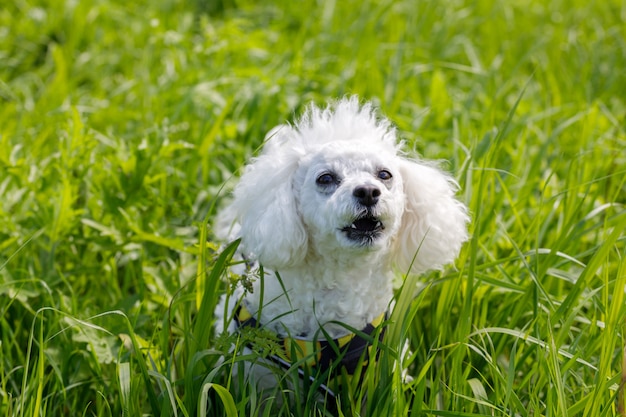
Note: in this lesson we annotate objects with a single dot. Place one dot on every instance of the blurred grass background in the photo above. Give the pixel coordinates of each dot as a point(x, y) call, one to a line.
point(121, 121)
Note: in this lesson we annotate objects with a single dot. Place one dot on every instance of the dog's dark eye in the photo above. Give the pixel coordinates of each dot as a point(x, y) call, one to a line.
point(326, 179)
point(384, 175)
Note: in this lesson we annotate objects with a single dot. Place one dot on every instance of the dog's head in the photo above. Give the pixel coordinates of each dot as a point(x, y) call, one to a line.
point(336, 185)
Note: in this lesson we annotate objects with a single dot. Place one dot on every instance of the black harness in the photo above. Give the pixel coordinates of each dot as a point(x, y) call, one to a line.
point(338, 357)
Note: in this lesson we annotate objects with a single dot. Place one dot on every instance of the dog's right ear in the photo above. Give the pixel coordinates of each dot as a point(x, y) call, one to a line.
point(265, 206)
point(434, 223)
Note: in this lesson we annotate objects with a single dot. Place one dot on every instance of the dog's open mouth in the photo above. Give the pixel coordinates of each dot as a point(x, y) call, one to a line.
point(364, 229)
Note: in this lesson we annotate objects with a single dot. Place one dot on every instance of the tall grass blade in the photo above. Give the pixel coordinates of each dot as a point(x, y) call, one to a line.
point(40, 375)
point(594, 263)
point(202, 328)
point(225, 396)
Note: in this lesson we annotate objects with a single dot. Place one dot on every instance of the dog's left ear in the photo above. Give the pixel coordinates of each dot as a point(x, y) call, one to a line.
point(434, 223)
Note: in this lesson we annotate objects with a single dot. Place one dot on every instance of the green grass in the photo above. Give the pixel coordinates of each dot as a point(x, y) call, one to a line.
point(120, 122)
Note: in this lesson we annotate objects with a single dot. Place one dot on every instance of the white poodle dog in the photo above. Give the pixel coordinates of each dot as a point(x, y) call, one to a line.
point(331, 208)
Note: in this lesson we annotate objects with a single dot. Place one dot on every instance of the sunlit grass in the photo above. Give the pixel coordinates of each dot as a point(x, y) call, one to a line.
point(122, 125)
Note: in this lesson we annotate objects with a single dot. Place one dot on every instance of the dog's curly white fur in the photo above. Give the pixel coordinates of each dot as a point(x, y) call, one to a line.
point(334, 206)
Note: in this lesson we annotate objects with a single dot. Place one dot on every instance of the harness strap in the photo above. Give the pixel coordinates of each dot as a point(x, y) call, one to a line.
point(320, 355)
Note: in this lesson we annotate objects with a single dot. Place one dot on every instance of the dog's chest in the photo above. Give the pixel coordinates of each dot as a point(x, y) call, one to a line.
point(303, 307)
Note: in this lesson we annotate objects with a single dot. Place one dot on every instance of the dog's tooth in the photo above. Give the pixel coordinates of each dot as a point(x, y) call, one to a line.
point(353, 226)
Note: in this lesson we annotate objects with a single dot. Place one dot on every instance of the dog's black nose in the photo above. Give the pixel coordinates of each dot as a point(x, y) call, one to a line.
point(367, 194)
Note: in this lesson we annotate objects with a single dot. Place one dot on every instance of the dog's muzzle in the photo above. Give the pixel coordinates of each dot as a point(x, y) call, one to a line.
point(364, 229)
